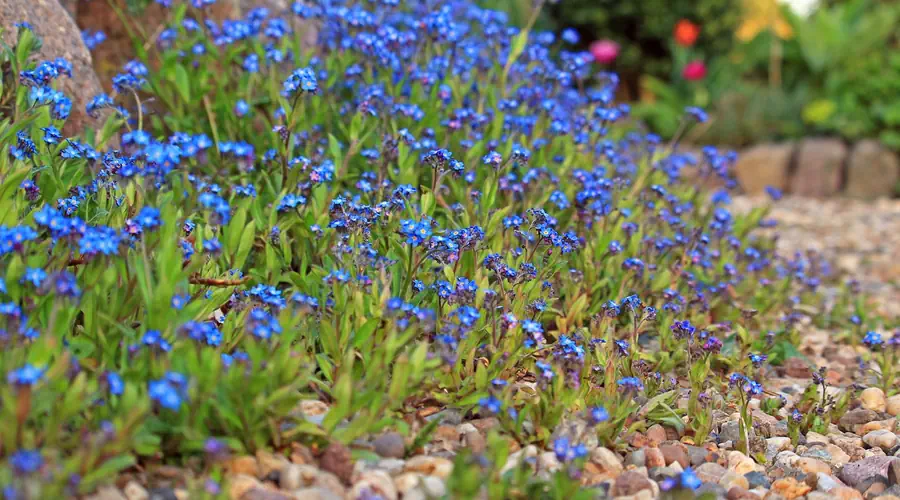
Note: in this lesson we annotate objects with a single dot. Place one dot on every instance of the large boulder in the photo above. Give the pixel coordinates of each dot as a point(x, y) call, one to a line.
point(820, 165)
point(873, 172)
point(764, 165)
point(61, 38)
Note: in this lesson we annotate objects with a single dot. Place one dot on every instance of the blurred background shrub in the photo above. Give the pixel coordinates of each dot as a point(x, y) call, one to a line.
point(764, 69)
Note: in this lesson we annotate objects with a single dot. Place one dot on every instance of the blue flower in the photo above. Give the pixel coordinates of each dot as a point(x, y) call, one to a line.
point(116, 384)
point(774, 193)
point(696, 113)
point(630, 384)
point(490, 404)
point(26, 461)
point(598, 415)
point(35, 276)
point(757, 359)
point(303, 80)
point(212, 246)
point(493, 159)
point(27, 375)
point(241, 107)
point(179, 301)
point(873, 340)
point(685, 480)
point(166, 395)
point(51, 135)
point(148, 218)
point(92, 40)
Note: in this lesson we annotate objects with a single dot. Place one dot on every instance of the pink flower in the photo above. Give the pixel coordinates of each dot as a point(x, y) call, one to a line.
point(605, 51)
point(694, 70)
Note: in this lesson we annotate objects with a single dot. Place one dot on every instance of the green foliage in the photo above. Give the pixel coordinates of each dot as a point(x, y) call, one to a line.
point(644, 28)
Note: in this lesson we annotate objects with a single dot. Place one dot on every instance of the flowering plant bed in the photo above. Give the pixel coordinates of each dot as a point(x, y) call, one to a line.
point(320, 257)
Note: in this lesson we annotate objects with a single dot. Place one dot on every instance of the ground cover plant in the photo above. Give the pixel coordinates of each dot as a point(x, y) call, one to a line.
point(429, 210)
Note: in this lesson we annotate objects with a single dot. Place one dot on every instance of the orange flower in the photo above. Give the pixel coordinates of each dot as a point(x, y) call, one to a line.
point(686, 33)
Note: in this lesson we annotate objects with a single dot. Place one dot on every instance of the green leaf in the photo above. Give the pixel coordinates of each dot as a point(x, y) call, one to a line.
point(182, 82)
point(105, 471)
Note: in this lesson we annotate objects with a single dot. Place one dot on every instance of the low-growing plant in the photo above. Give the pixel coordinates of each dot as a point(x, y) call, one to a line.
point(257, 244)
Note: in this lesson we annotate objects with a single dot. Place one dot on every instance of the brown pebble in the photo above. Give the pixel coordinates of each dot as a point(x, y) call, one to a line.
point(738, 493)
point(475, 442)
point(337, 460)
point(300, 454)
point(675, 453)
point(243, 465)
point(654, 458)
point(656, 434)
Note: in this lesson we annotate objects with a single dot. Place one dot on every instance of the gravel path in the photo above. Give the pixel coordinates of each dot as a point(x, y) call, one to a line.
point(861, 239)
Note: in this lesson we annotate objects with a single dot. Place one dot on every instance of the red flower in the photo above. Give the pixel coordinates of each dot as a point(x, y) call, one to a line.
point(694, 70)
point(686, 33)
point(605, 51)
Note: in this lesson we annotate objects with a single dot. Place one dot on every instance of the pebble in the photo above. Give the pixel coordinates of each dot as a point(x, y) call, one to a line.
point(710, 472)
point(826, 482)
point(629, 483)
point(265, 494)
point(675, 453)
point(607, 460)
point(738, 493)
point(316, 494)
point(107, 493)
point(243, 465)
point(392, 466)
point(238, 484)
point(390, 445)
point(838, 457)
point(429, 465)
point(516, 458)
point(547, 461)
point(167, 494)
point(892, 405)
point(875, 490)
point(313, 411)
point(656, 433)
point(855, 473)
point(297, 476)
point(779, 443)
point(740, 463)
point(270, 463)
point(876, 425)
point(134, 491)
point(337, 460)
point(637, 457)
point(790, 488)
point(815, 437)
point(407, 481)
point(654, 458)
point(731, 479)
point(374, 482)
point(730, 431)
point(844, 493)
point(757, 479)
point(697, 455)
point(475, 442)
point(811, 466)
point(856, 417)
point(886, 440)
point(873, 399)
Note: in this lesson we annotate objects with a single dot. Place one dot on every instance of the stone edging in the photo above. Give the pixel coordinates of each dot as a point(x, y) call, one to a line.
point(820, 167)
